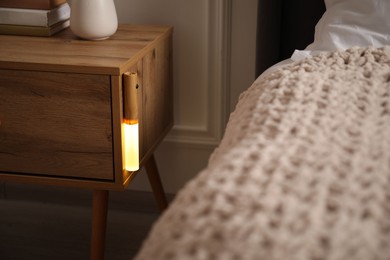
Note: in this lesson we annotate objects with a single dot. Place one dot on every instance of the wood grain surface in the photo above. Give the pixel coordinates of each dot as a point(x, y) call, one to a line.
point(67, 53)
point(55, 124)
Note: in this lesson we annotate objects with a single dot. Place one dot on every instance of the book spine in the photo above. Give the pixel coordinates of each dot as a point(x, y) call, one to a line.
point(29, 4)
point(33, 30)
point(58, 14)
point(34, 17)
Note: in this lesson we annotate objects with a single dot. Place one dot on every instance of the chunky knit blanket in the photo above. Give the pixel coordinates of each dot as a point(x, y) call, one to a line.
point(303, 171)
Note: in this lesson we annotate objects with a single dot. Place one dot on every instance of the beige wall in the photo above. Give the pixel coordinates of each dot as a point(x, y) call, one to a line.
point(213, 62)
point(243, 46)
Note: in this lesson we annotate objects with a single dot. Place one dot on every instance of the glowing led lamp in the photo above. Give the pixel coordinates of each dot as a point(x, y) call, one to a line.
point(130, 122)
point(131, 146)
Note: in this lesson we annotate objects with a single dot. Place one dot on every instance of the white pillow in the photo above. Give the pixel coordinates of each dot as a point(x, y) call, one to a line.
point(348, 23)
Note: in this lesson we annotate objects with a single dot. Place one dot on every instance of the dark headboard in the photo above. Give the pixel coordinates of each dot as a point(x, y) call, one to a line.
point(282, 27)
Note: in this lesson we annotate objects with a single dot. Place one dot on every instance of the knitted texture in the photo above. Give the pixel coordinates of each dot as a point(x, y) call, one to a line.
point(303, 170)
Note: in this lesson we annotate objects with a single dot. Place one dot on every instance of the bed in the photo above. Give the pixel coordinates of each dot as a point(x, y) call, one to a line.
point(303, 170)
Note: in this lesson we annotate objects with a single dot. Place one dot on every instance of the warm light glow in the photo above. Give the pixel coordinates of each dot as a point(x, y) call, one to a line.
point(131, 150)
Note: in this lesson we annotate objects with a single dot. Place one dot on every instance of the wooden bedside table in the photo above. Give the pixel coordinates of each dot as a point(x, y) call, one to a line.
point(62, 110)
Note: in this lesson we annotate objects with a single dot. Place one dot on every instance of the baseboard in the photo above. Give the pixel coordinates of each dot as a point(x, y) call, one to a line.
point(177, 165)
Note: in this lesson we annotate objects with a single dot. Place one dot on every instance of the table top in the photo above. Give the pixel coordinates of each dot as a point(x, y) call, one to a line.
point(66, 52)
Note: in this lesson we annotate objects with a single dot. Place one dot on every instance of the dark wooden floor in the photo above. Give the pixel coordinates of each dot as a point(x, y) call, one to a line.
point(54, 223)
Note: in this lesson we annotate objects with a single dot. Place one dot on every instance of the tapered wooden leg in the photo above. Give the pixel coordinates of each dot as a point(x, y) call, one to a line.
point(155, 183)
point(99, 220)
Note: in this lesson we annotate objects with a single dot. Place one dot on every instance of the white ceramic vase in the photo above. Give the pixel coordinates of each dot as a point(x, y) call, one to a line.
point(93, 19)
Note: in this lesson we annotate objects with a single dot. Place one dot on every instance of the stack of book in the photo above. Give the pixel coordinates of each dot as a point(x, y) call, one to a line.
point(33, 17)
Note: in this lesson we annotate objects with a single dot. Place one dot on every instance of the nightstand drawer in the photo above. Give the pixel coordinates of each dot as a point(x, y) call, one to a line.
point(56, 124)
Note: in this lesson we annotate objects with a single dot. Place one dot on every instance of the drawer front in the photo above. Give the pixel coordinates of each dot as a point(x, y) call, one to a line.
point(56, 124)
